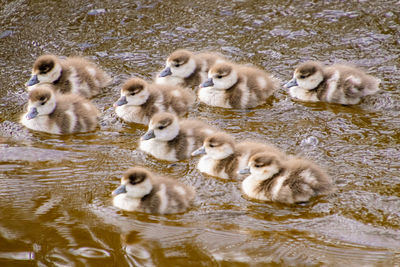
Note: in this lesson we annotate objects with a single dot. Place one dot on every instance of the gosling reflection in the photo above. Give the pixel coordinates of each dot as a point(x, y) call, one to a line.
point(138, 251)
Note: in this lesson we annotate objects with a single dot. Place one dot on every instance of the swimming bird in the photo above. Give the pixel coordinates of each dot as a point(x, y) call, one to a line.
point(342, 84)
point(232, 85)
point(291, 180)
point(70, 75)
point(140, 100)
point(187, 69)
point(141, 190)
point(59, 114)
point(171, 139)
point(223, 157)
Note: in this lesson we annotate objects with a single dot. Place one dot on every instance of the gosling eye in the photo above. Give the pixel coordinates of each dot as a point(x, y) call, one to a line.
point(258, 165)
point(42, 103)
point(302, 76)
point(211, 145)
point(177, 65)
point(219, 76)
point(135, 92)
point(161, 127)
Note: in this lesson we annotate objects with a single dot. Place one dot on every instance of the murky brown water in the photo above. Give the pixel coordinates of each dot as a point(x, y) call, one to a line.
point(55, 198)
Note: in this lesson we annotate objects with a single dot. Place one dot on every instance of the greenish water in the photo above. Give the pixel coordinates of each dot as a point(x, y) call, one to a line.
point(55, 202)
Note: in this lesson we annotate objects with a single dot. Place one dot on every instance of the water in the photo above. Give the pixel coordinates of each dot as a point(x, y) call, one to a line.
point(55, 191)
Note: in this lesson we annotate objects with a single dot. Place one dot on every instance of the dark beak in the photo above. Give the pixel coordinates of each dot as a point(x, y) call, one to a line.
point(166, 72)
point(245, 171)
point(208, 83)
point(148, 135)
point(291, 83)
point(200, 151)
point(32, 113)
point(120, 190)
point(121, 101)
point(33, 80)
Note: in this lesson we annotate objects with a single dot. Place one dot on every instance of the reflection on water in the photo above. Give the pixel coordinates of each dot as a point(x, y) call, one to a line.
point(55, 201)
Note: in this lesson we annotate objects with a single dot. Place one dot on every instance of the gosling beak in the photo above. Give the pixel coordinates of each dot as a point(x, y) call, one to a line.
point(121, 101)
point(245, 171)
point(207, 83)
point(148, 135)
point(120, 190)
point(200, 151)
point(291, 83)
point(33, 80)
point(166, 72)
point(32, 113)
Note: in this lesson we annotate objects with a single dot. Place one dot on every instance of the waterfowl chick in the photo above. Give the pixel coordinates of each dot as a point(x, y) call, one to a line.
point(170, 139)
point(341, 84)
point(71, 75)
point(59, 114)
point(187, 69)
point(141, 190)
point(223, 158)
point(236, 86)
point(288, 181)
point(139, 100)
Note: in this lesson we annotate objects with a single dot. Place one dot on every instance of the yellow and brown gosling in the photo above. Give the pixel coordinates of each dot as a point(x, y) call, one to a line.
point(232, 85)
point(291, 180)
point(57, 113)
point(187, 69)
point(143, 191)
point(140, 100)
point(341, 84)
point(223, 158)
point(70, 75)
point(169, 138)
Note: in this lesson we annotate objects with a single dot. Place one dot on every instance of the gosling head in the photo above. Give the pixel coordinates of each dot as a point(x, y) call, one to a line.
point(307, 76)
point(133, 92)
point(42, 101)
point(180, 63)
point(46, 69)
point(217, 146)
point(263, 165)
point(221, 76)
point(163, 126)
point(135, 183)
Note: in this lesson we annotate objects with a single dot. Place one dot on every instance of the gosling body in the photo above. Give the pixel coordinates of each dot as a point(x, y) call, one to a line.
point(59, 114)
point(169, 139)
point(289, 181)
point(223, 158)
point(143, 191)
point(187, 69)
point(71, 75)
point(341, 84)
point(140, 100)
point(236, 86)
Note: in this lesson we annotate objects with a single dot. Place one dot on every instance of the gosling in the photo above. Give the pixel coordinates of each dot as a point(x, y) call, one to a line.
point(236, 86)
point(340, 84)
point(143, 191)
point(223, 158)
point(71, 75)
point(59, 114)
point(170, 139)
point(288, 181)
point(139, 100)
point(187, 69)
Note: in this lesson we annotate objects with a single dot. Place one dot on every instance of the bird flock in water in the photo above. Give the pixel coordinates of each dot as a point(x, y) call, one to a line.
point(59, 103)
